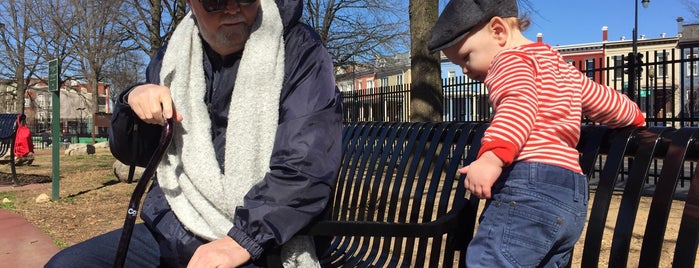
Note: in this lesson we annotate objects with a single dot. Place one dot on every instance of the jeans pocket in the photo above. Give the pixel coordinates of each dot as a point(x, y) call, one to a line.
point(529, 234)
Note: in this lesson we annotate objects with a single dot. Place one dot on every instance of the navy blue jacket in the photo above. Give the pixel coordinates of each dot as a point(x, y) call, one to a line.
point(305, 157)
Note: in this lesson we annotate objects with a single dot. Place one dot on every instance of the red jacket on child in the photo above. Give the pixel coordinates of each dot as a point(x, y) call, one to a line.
point(23, 140)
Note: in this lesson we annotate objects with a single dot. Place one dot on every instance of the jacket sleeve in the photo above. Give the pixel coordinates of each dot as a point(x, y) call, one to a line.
point(130, 139)
point(305, 158)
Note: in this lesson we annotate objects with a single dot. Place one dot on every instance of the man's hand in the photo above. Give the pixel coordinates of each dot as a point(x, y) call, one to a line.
point(152, 104)
point(482, 174)
point(223, 253)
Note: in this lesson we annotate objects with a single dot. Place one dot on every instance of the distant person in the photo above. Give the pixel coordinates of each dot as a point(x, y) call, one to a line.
point(527, 167)
point(46, 138)
point(24, 146)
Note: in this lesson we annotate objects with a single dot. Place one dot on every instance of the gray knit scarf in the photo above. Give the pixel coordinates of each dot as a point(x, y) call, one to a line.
point(202, 197)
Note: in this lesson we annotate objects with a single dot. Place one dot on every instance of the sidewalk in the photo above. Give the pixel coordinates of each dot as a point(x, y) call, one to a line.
point(22, 244)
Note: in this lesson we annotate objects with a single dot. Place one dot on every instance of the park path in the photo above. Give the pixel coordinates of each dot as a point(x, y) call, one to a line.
point(22, 244)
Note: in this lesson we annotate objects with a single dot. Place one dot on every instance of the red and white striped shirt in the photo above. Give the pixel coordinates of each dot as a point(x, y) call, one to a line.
point(539, 100)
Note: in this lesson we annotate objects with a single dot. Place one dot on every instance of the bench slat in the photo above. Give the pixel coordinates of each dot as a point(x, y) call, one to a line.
point(651, 143)
point(688, 236)
point(620, 143)
point(590, 145)
point(673, 164)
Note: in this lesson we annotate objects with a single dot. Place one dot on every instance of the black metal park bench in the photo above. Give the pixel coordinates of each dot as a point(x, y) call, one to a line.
point(8, 130)
point(399, 201)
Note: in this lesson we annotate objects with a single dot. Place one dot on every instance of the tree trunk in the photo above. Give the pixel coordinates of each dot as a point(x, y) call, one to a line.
point(21, 88)
point(426, 83)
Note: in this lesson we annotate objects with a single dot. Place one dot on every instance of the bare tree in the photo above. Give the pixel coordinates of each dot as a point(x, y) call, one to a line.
point(149, 25)
point(97, 37)
point(123, 71)
point(357, 31)
point(152, 22)
point(17, 37)
point(54, 40)
point(693, 8)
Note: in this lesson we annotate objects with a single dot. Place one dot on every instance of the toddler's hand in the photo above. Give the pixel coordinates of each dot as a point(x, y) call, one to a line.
point(482, 174)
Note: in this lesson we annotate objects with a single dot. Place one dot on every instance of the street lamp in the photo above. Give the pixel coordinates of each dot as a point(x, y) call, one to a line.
point(80, 126)
point(633, 74)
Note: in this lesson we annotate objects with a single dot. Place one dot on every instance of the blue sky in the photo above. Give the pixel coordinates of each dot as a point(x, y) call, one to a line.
point(564, 22)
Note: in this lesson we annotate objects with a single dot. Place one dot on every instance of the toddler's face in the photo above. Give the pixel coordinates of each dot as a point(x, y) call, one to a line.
point(475, 52)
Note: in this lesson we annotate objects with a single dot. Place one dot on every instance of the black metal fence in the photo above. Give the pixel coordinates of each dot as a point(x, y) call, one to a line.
point(667, 91)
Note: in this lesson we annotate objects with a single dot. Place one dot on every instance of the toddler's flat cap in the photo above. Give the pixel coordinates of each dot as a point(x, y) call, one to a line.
point(460, 16)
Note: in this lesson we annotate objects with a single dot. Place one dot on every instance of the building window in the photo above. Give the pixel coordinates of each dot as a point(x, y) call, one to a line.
point(400, 80)
point(451, 74)
point(41, 100)
point(590, 68)
point(618, 68)
point(661, 61)
point(349, 86)
point(692, 65)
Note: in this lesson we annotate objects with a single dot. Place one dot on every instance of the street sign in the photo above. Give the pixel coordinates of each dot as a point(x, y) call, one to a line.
point(643, 93)
point(53, 75)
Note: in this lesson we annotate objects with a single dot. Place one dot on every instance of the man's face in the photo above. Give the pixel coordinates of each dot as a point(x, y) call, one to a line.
point(228, 30)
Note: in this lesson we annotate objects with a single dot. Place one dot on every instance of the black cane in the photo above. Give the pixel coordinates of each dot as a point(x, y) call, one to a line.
point(138, 191)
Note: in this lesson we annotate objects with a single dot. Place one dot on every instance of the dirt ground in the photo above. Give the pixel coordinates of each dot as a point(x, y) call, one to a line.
point(638, 231)
point(92, 201)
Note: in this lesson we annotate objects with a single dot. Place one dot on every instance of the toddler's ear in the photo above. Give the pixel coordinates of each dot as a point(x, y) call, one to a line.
point(499, 30)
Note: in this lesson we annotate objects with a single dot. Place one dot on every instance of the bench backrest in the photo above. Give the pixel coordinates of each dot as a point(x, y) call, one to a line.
point(8, 129)
point(635, 150)
point(403, 172)
point(682, 148)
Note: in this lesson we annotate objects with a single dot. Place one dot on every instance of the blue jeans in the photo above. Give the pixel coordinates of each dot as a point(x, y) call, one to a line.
point(146, 249)
point(100, 251)
point(534, 219)
point(162, 242)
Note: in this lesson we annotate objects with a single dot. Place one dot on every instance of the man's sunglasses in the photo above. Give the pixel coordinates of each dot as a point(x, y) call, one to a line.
point(220, 5)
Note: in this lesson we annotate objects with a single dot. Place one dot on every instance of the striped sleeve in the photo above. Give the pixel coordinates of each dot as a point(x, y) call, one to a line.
point(538, 101)
point(607, 106)
point(514, 98)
